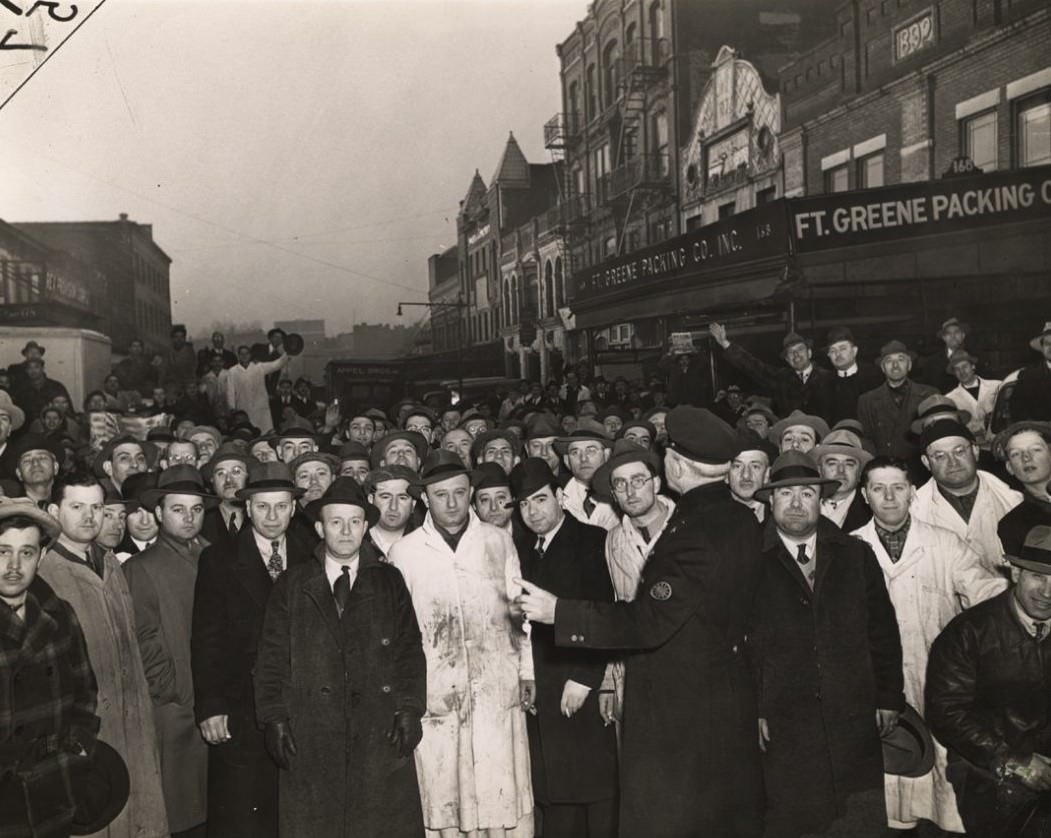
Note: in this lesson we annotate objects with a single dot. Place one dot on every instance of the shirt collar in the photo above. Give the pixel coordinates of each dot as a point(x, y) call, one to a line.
point(264, 544)
point(792, 543)
point(334, 569)
point(550, 536)
point(849, 371)
point(1028, 623)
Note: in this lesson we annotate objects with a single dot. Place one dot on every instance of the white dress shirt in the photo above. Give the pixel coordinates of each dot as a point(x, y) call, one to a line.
point(266, 549)
point(836, 510)
point(792, 545)
point(334, 569)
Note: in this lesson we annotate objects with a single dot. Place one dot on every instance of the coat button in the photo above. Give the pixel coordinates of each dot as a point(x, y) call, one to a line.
point(385, 641)
point(385, 688)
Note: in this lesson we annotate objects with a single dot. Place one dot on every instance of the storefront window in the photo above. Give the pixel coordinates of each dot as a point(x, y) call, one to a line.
point(837, 179)
point(1034, 130)
point(870, 171)
point(979, 140)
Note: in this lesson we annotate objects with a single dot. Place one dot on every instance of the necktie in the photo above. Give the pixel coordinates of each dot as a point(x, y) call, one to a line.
point(589, 503)
point(341, 590)
point(645, 533)
point(804, 560)
point(801, 555)
point(233, 524)
point(540, 547)
point(1040, 629)
point(802, 376)
point(274, 565)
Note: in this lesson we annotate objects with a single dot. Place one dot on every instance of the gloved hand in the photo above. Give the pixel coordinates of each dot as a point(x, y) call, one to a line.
point(406, 732)
point(279, 743)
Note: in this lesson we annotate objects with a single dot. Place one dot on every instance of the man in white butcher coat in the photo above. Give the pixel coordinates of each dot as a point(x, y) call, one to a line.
point(960, 497)
point(246, 386)
point(974, 394)
point(473, 762)
point(932, 575)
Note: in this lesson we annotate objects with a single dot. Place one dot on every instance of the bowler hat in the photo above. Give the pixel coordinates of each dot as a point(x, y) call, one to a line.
point(440, 465)
point(529, 476)
point(1037, 342)
point(939, 406)
point(958, 356)
point(1035, 554)
point(269, 477)
point(953, 321)
point(842, 442)
point(908, 750)
point(100, 790)
point(379, 448)
point(797, 417)
point(942, 429)
point(624, 452)
point(791, 339)
point(179, 480)
point(32, 344)
point(344, 490)
point(587, 429)
point(794, 468)
point(698, 434)
point(489, 476)
point(894, 347)
point(17, 415)
point(10, 507)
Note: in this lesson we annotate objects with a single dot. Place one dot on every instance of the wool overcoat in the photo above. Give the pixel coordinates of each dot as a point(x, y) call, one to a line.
point(339, 682)
point(825, 660)
point(888, 425)
point(690, 753)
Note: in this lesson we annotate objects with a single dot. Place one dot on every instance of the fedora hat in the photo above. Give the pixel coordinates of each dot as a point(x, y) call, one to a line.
point(136, 485)
point(587, 429)
point(178, 480)
point(942, 429)
point(1035, 554)
point(791, 339)
point(958, 356)
point(10, 507)
point(440, 465)
point(529, 476)
point(226, 453)
point(624, 452)
point(838, 334)
point(934, 407)
point(379, 448)
point(953, 321)
point(637, 423)
point(541, 426)
point(18, 416)
point(489, 476)
point(329, 460)
point(895, 347)
point(269, 477)
point(794, 468)
point(698, 434)
point(797, 417)
point(296, 429)
point(100, 790)
point(1037, 342)
point(293, 344)
point(381, 475)
point(149, 450)
point(908, 750)
point(38, 442)
point(842, 442)
point(344, 490)
point(32, 344)
point(352, 450)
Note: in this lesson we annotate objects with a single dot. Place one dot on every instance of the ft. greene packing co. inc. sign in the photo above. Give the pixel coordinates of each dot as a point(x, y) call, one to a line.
point(895, 212)
point(756, 234)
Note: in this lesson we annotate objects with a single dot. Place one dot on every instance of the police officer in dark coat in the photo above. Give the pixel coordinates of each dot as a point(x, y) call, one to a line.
point(233, 582)
point(572, 750)
point(690, 753)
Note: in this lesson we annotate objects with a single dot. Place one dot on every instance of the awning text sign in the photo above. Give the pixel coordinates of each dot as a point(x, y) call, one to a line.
point(875, 215)
point(749, 236)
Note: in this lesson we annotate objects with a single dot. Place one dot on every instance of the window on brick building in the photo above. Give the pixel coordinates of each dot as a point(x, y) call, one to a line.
point(1033, 130)
point(766, 196)
point(978, 140)
point(837, 179)
point(870, 171)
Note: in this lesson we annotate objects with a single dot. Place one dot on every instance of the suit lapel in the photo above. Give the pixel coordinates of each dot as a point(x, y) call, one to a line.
point(317, 589)
point(772, 545)
point(249, 568)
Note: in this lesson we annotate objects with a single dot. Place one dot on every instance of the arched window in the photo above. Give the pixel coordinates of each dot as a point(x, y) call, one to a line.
point(610, 75)
point(548, 302)
point(560, 285)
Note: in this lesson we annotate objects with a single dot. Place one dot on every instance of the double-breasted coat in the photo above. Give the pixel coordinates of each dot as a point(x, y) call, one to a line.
point(574, 760)
point(888, 424)
point(47, 714)
point(338, 682)
point(228, 606)
point(125, 709)
point(825, 660)
point(689, 751)
point(161, 580)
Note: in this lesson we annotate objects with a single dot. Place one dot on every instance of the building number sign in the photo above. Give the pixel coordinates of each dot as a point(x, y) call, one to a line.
point(915, 35)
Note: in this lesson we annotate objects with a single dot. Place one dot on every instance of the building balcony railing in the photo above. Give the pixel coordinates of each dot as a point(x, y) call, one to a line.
point(562, 130)
point(644, 171)
point(644, 62)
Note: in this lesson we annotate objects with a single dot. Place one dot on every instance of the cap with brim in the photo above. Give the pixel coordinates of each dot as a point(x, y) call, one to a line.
point(345, 491)
point(136, 485)
point(489, 476)
point(791, 339)
point(698, 434)
point(440, 465)
point(797, 417)
point(587, 429)
point(484, 438)
point(953, 321)
point(352, 451)
point(894, 347)
point(1035, 554)
point(958, 356)
point(999, 446)
point(269, 477)
point(179, 480)
point(100, 790)
point(314, 457)
point(794, 468)
point(843, 443)
point(225, 453)
point(942, 429)
point(38, 442)
point(10, 507)
point(908, 750)
point(379, 448)
point(940, 406)
point(381, 475)
point(624, 453)
point(18, 416)
point(529, 476)
point(1036, 344)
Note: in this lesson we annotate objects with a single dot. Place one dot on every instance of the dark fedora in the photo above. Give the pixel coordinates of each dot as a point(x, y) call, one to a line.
point(440, 465)
point(637, 423)
point(1035, 554)
point(179, 480)
point(489, 476)
point(529, 476)
point(136, 485)
point(149, 450)
point(269, 477)
point(352, 450)
point(838, 334)
point(587, 429)
point(293, 344)
point(32, 344)
point(100, 790)
point(794, 468)
point(937, 406)
point(38, 442)
point(908, 750)
point(344, 490)
point(942, 429)
point(379, 448)
point(541, 426)
point(698, 434)
point(895, 347)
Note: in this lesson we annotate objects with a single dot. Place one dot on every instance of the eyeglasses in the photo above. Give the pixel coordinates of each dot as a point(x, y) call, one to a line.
point(620, 484)
point(957, 453)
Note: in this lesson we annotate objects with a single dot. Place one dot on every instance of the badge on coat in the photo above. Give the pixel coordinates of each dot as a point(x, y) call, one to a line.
point(661, 591)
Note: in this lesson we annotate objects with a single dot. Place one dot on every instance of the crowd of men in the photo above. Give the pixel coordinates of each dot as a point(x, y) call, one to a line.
point(569, 612)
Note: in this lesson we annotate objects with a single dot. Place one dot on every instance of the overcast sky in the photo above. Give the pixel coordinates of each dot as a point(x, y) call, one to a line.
point(297, 158)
